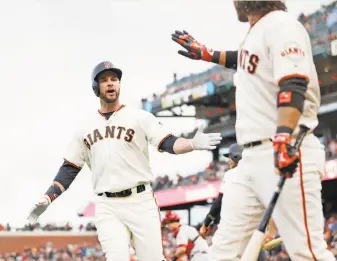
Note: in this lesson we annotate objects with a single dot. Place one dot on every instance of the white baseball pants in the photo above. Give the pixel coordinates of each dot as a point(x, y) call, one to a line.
point(298, 214)
point(136, 216)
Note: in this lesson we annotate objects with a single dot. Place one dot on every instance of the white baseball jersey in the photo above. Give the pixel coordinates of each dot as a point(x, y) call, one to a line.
point(277, 47)
point(228, 175)
point(185, 237)
point(116, 149)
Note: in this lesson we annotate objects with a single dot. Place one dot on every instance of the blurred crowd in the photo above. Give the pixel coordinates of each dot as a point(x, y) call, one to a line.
point(322, 27)
point(94, 253)
point(214, 171)
point(331, 149)
point(49, 253)
point(50, 227)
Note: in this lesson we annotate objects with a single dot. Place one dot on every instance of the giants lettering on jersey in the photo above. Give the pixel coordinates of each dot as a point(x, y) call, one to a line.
point(248, 61)
point(112, 132)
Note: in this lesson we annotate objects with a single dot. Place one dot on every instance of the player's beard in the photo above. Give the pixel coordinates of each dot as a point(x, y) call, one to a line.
point(241, 10)
point(110, 100)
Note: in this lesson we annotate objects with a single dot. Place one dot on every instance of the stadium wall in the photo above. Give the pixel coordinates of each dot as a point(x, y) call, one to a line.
point(18, 241)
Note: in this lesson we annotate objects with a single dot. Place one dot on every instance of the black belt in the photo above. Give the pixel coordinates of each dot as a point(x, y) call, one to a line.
point(254, 143)
point(123, 193)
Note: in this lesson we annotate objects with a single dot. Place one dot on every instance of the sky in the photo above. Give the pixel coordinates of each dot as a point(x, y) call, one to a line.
point(47, 52)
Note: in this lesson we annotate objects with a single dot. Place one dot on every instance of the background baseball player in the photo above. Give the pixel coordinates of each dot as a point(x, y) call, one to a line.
point(188, 241)
point(233, 156)
point(113, 142)
point(276, 90)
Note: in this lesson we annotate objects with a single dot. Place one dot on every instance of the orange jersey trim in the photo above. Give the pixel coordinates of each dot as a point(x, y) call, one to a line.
point(289, 76)
point(306, 226)
point(162, 141)
point(72, 164)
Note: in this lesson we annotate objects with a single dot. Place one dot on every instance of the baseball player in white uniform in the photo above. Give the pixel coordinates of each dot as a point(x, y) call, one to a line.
point(276, 90)
point(113, 142)
point(188, 241)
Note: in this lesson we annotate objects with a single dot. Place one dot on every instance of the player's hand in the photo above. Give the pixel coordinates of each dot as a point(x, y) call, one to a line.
point(205, 141)
point(285, 156)
point(39, 208)
point(194, 50)
point(203, 231)
point(267, 238)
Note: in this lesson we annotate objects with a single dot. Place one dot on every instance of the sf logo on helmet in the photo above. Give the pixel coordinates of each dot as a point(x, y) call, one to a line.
point(108, 65)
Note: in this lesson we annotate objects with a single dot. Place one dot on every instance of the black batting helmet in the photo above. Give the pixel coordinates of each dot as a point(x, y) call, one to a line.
point(100, 68)
point(234, 152)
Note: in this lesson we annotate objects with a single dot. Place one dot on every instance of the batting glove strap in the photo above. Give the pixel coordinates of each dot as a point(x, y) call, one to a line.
point(53, 192)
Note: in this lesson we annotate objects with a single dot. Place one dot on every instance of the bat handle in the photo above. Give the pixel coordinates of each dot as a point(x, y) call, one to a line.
point(253, 248)
point(303, 131)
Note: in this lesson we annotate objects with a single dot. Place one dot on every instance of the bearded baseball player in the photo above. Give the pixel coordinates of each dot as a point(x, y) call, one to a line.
point(188, 241)
point(276, 90)
point(113, 142)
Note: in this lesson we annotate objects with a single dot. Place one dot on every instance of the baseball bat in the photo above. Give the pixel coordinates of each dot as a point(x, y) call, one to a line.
point(272, 244)
point(253, 248)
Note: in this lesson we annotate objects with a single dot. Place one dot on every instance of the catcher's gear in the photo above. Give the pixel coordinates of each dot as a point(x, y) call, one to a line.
point(285, 156)
point(234, 152)
point(205, 141)
point(100, 68)
point(195, 50)
point(39, 208)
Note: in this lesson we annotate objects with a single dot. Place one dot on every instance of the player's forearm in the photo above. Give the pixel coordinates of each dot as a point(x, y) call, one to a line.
point(65, 176)
point(272, 228)
point(214, 211)
point(226, 58)
point(288, 117)
point(182, 145)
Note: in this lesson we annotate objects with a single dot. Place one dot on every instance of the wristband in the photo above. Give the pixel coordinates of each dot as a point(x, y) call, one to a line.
point(216, 57)
point(53, 192)
point(231, 59)
point(284, 129)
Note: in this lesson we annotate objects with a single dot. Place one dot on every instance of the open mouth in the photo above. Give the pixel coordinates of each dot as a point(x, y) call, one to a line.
point(110, 91)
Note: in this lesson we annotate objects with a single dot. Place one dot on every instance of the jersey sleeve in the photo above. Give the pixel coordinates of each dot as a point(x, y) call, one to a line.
point(222, 186)
point(289, 49)
point(76, 151)
point(155, 131)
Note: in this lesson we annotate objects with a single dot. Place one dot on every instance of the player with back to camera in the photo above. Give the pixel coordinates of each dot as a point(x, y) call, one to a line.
point(277, 89)
point(113, 142)
point(233, 157)
point(187, 239)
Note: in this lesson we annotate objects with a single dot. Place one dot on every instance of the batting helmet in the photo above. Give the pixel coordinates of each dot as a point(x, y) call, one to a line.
point(100, 68)
point(234, 152)
point(170, 217)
